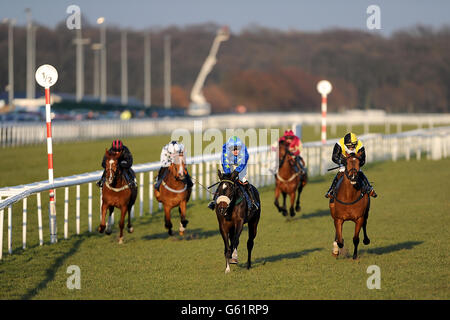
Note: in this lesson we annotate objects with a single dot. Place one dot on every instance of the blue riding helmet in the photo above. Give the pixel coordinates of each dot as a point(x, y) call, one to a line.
point(234, 143)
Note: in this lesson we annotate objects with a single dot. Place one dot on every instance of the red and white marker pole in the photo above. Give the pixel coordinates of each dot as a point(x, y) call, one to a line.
point(46, 76)
point(324, 87)
point(324, 119)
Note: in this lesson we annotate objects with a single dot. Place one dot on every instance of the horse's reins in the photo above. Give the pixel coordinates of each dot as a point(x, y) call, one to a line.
point(361, 194)
point(115, 178)
point(281, 164)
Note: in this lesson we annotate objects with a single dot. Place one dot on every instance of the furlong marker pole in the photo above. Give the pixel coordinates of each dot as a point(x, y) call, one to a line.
point(48, 119)
point(46, 76)
point(324, 87)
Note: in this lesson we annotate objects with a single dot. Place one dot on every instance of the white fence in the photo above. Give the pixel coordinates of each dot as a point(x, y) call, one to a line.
point(15, 133)
point(431, 143)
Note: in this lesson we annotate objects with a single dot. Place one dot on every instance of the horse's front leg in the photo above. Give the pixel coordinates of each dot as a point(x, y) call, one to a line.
point(292, 198)
point(102, 226)
point(123, 210)
point(168, 223)
point(227, 250)
point(235, 241)
point(183, 220)
point(338, 240)
point(299, 191)
point(110, 221)
point(277, 195)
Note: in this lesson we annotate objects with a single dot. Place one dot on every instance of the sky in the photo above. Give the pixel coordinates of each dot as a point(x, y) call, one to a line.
point(312, 15)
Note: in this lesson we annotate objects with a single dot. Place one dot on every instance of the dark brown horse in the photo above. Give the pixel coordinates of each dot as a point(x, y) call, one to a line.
point(116, 194)
point(232, 213)
point(175, 193)
point(350, 203)
point(288, 181)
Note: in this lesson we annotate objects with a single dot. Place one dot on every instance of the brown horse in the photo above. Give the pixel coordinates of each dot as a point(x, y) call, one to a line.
point(288, 181)
point(232, 213)
point(116, 194)
point(175, 193)
point(350, 203)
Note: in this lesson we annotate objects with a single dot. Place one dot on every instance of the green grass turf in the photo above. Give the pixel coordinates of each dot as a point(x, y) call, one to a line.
point(292, 259)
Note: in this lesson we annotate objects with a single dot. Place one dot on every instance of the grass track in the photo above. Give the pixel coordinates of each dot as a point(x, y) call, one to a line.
point(408, 227)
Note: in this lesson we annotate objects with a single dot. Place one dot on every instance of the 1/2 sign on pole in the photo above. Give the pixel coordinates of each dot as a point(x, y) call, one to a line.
point(46, 76)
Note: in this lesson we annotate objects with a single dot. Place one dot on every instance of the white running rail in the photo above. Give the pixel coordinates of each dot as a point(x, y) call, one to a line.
point(430, 143)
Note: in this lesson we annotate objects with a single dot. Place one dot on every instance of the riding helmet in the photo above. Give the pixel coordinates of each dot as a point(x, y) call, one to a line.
point(350, 139)
point(117, 145)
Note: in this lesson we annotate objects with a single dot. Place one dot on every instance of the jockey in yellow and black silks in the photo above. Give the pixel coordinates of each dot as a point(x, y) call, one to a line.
point(349, 144)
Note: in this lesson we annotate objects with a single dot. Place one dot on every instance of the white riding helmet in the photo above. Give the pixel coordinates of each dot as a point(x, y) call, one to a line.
point(175, 147)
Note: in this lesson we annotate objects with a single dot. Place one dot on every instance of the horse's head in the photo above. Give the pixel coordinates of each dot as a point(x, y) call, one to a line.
point(225, 191)
point(178, 167)
point(112, 164)
point(284, 154)
point(352, 166)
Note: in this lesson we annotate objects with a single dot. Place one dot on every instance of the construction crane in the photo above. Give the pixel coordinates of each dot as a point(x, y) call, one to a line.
point(199, 106)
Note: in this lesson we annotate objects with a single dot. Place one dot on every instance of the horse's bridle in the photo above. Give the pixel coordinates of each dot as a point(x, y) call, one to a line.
point(225, 198)
point(348, 172)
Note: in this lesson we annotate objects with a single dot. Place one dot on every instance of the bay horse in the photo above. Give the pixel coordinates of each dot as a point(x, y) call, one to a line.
point(232, 213)
point(116, 193)
point(288, 181)
point(175, 193)
point(350, 203)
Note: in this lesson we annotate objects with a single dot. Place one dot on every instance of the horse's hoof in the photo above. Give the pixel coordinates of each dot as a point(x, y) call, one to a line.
point(284, 213)
point(100, 230)
point(120, 240)
point(181, 233)
point(355, 257)
point(292, 213)
point(108, 232)
point(130, 230)
point(298, 208)
point(366, 241)
point(170, 232)
point(233, 261)
point(227, 270)
point(249, 266)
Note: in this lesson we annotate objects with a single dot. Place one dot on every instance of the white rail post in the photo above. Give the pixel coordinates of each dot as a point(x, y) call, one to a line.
point(2, 213)
point(77, 214)
point(24, 224)
point(10, 229)
point(66, 212)
point(150, 192)
point(141, 194)
point(207, 179)
point(39, 212)
point(90, 207)
point(194, 187)
point(200, 178)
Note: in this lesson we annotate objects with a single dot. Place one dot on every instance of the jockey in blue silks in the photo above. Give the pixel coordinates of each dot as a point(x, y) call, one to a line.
point(234, 158)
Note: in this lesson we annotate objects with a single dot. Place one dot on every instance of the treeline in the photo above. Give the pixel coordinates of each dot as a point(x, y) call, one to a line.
point(263, 69)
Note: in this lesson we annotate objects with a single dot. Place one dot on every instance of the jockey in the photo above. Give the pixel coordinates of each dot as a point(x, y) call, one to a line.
point(295, 147)
point(125, 162)
point(234, 158)
point(168, 152)
point(349, 144)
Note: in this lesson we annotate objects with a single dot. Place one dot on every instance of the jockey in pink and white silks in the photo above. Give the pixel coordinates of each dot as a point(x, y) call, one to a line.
point(168, 152)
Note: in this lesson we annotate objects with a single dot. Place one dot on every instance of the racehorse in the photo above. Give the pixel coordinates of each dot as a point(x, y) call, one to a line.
point(232, 213)
point(116, 193)
point(350, 203)
point(288, 181)
point(175, 193)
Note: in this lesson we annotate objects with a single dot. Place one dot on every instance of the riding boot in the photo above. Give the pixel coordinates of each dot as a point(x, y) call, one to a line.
point(130, 179)
point(331, 190)
point(299, 162)
point(102, 180)
point(188, 180)
point(161, 175)
point(368, 187)
point(249, 190)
